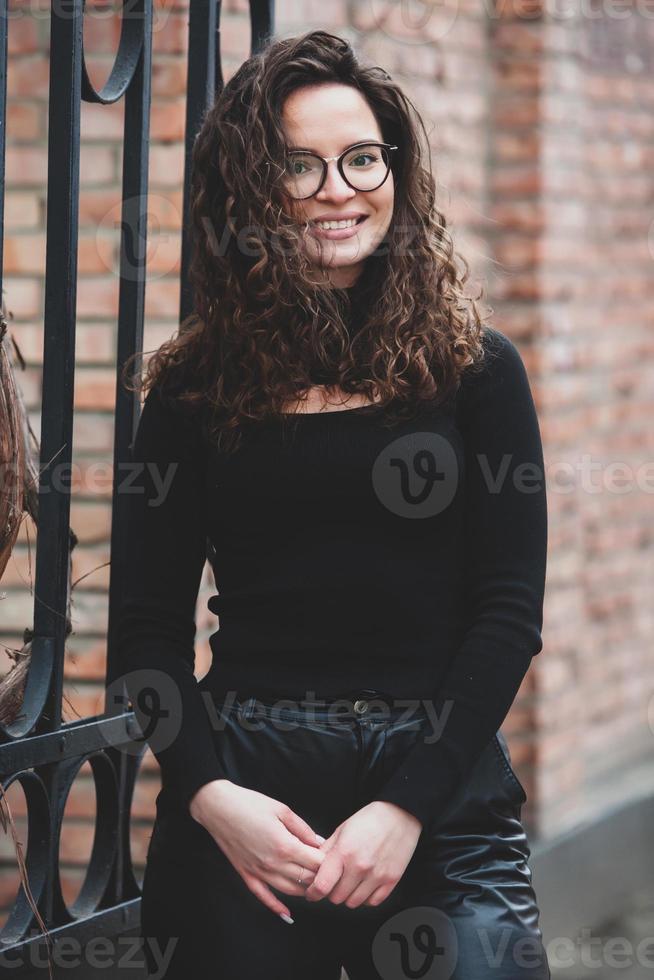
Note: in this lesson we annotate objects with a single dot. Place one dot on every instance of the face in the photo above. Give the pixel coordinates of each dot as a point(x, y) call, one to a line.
point(327, 119)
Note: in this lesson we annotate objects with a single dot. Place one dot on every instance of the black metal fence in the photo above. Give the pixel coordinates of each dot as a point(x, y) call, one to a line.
point(38, 750)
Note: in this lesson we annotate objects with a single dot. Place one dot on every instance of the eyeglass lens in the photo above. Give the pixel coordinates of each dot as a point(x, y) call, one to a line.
point(365, 168)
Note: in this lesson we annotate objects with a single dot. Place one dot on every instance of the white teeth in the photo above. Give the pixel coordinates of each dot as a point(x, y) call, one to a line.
point(327, 225)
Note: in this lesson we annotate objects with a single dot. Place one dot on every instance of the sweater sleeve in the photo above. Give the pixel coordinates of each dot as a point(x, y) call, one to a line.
point(506, 546)
point(164, 561)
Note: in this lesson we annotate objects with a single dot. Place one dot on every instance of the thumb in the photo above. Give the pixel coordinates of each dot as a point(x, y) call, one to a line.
point(300, 828)
point(326, 845)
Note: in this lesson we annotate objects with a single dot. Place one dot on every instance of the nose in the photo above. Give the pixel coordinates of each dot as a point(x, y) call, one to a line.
point(335, 187)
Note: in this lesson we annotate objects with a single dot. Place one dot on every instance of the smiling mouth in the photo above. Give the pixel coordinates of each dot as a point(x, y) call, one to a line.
point(318, 224)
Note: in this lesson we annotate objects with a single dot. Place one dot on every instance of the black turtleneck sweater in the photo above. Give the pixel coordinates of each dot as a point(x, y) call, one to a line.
point(409, 561)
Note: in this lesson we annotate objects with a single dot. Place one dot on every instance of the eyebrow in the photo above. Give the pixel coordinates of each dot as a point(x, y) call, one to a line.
point(308, 149)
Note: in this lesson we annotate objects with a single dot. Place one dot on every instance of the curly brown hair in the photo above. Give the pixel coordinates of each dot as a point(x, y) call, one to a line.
point(261, 322)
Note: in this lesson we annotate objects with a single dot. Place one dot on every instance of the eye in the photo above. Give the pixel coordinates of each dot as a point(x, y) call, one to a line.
point(296, 161)
point(362, 156)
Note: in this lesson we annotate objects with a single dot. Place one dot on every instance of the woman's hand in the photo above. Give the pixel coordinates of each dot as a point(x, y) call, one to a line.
point(265, 841)
point(366, 855)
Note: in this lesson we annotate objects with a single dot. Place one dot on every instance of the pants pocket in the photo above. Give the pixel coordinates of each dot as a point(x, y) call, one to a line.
point(504, 756)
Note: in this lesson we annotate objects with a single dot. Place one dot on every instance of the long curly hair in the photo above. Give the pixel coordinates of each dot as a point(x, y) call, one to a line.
point(262, 322)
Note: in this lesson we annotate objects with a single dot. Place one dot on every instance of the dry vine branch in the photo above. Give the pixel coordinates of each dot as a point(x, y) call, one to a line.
point(19, 487)
point(18, 496)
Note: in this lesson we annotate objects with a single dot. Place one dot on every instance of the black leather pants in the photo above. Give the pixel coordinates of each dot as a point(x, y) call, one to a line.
point(463, 910)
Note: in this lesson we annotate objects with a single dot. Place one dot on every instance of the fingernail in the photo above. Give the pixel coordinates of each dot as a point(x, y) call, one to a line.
point(320, 839)
point(286, 918)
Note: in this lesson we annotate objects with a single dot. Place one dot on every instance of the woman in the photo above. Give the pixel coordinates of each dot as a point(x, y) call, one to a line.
point(364, 458)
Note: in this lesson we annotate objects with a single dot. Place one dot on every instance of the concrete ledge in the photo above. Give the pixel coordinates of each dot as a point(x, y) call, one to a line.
point(585, 878)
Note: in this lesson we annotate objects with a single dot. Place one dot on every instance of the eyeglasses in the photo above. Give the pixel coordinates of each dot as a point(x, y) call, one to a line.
point(363, 167)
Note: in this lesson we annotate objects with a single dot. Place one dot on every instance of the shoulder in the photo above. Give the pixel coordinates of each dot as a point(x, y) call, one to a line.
point(501, 360)
point(168, 423)
point(501, 355)
point(501, 374)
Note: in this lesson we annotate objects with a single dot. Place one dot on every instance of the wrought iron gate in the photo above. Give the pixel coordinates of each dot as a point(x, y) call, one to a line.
point(38, 750)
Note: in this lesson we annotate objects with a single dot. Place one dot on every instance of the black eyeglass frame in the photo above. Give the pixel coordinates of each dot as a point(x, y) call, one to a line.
point(339, 158)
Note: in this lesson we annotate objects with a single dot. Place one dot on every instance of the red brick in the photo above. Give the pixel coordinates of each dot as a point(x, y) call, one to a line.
point(101, 36)
point(95, 343)
point(25, 165)
point(166, 166)
point(24, 254)
point(28, 77)
point(24, 121)
point(98, 165)
point(86, 659)
point(102, 122)
point(169, 77)
point(168, 120)
point(22, 35)
point(22, 297)
point(97, 296)
point(170, 33)
point(94, 388)
point(22, 210)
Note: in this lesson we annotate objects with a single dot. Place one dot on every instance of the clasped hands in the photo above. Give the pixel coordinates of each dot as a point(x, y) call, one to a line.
point(366, 856)
point(268, 844)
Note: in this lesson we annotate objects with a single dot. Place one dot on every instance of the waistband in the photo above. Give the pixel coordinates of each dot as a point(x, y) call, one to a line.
point(363, 704)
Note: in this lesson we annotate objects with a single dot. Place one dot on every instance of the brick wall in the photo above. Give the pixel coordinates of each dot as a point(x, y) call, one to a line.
point(572, 192)
point(542, 132)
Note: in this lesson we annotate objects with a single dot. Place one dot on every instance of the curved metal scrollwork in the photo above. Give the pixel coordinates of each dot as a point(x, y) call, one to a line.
point(39, 749)
point(38, 829)
point(132, 34)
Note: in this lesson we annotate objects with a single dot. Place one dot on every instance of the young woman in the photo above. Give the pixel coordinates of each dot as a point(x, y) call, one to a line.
point(363, 457)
